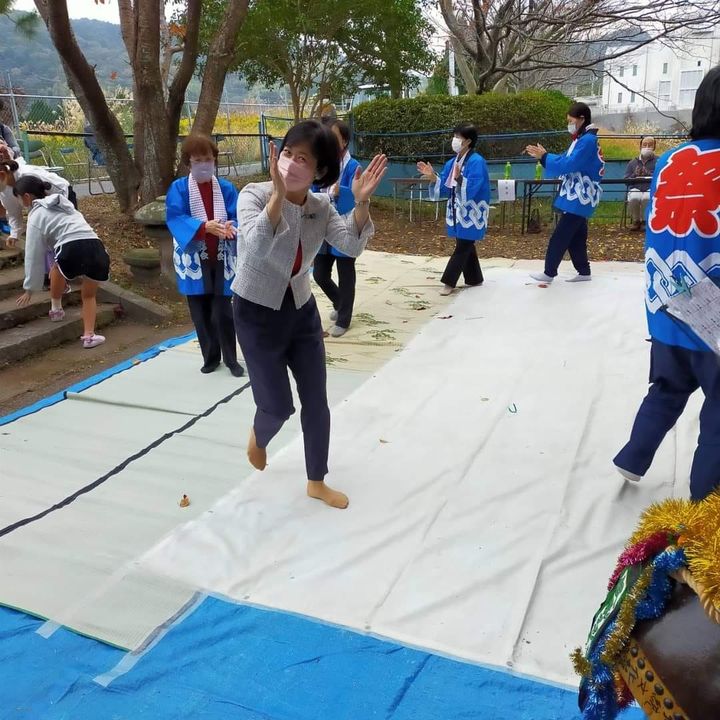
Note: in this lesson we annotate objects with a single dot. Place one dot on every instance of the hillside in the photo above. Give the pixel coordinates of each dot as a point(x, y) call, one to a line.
point(33, 66)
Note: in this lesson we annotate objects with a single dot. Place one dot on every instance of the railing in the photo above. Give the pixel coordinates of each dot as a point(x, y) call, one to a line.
point(68, 153)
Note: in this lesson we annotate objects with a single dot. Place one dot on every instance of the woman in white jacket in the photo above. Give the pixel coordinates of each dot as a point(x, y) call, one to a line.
point(10, 172)
point(54, 224)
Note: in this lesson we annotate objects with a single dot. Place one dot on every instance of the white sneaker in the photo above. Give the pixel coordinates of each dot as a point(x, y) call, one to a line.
point(334, 315)
point(632, 477)
point(447, 290)
point(541, 277)
point(579, 278)
point(336, 331)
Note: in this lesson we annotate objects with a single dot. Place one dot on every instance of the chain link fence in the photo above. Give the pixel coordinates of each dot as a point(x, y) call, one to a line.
point(52, 131)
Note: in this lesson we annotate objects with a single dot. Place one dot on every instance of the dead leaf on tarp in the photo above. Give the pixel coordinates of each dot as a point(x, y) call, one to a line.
point(384, 442)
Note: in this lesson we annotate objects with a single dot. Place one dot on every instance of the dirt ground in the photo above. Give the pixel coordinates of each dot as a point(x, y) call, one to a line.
point(55, 369)
point(37, 377)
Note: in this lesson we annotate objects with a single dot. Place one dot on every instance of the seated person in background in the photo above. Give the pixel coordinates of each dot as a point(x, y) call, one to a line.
point(6, 135)
point(639, 192)
point(91, 144)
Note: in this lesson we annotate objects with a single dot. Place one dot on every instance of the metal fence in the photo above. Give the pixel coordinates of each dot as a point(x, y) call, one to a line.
point(63, 113)
point(76, 157)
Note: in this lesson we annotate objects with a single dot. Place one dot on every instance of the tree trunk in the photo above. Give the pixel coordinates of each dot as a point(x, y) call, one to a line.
point(154, 138)
point(464, 67)
point(220, 57)
point(296, 101)
point(81, 78)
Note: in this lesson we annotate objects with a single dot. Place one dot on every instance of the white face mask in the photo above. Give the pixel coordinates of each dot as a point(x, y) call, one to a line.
point(457, 145)
point(646, 153)
point(571, 128)
point(202, 171)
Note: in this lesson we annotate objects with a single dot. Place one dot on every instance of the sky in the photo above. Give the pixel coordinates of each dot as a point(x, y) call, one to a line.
point(82, 9)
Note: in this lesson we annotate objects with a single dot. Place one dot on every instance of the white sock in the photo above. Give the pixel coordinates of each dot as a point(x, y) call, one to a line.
point(56, 304)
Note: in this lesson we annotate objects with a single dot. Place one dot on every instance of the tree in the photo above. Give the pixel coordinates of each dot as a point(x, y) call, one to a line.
point(158, 100)
point(25, 22)
point(440, 78)
point(321, 48)
point(503, 44)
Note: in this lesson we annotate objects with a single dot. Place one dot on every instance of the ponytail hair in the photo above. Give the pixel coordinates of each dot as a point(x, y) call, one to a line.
point(32, 185)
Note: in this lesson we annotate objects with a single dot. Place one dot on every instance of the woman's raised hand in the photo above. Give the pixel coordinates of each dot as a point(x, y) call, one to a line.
point(365, 182)
point(536, 151)
point(277, 179)
point(426, 169)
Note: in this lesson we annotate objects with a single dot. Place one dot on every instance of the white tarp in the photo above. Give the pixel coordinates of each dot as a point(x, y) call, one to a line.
point(485, 514)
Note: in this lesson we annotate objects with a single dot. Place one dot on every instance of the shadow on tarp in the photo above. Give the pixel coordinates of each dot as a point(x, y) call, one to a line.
point(78, 387)
point(226, 660)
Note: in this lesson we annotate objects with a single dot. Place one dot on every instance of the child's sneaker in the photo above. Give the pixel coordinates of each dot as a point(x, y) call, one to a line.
point(56, 315)
point(91, 341)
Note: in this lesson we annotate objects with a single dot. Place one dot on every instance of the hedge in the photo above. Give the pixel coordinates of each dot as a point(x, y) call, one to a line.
point(492, 113)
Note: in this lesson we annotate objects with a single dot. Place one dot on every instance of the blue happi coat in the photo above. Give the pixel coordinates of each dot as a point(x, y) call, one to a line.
point(469, 202)
point(187, 250)
point(580, 171)
point(344, 202)
point(683, 234)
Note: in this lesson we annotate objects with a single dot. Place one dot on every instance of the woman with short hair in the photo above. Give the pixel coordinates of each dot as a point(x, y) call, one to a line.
point(466, 183)
point(201, 215)
point(281, 226)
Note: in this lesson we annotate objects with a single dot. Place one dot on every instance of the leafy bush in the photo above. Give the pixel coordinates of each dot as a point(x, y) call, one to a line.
point(532, 111)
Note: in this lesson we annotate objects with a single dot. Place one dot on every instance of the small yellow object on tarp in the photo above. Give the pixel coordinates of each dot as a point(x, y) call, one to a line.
point(184, 501)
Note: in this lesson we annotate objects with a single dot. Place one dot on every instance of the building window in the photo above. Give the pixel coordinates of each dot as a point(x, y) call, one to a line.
point(622, 72)
point(634, 70)
point(665, 68)
point(632, 97)
point(619, 98)
point(664, 91)
point(689, 82)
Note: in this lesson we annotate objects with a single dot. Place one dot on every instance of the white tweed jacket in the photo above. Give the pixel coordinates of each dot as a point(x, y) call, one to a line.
point(266, 257)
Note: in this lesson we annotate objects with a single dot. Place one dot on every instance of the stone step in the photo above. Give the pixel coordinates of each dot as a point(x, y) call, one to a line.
point(11, 315)
point(18, 343)
point(10, 257)
point(11, 282)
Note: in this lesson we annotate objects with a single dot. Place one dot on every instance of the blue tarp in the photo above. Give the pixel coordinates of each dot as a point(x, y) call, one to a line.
point(226, 660)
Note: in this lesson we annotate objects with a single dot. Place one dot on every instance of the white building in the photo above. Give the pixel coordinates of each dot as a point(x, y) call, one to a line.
point(664, 74)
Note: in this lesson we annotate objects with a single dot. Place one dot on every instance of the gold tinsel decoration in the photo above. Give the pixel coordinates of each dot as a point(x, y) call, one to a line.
point(580, 663)
point(618, 639)
point(698, 526)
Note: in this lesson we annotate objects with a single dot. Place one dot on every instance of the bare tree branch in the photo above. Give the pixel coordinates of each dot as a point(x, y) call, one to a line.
point(494, 39)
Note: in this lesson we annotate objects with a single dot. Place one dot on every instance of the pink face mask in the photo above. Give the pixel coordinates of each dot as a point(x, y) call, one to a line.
point(296, 176)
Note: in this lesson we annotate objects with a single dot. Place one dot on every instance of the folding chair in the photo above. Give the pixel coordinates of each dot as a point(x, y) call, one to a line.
point(73, 163)
point(229, 156)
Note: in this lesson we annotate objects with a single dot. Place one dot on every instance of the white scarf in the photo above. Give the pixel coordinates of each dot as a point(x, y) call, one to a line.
point(451, 181)
point(197, 210)
point(197, 207)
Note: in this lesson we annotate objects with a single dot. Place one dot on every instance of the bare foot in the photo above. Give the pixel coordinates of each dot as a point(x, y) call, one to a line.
point(256, 455)
point(320, 491)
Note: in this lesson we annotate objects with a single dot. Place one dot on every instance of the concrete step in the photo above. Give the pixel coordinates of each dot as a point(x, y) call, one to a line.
point(18, 343)
point(11, 315)
point(11, 282)
point(10, 257)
